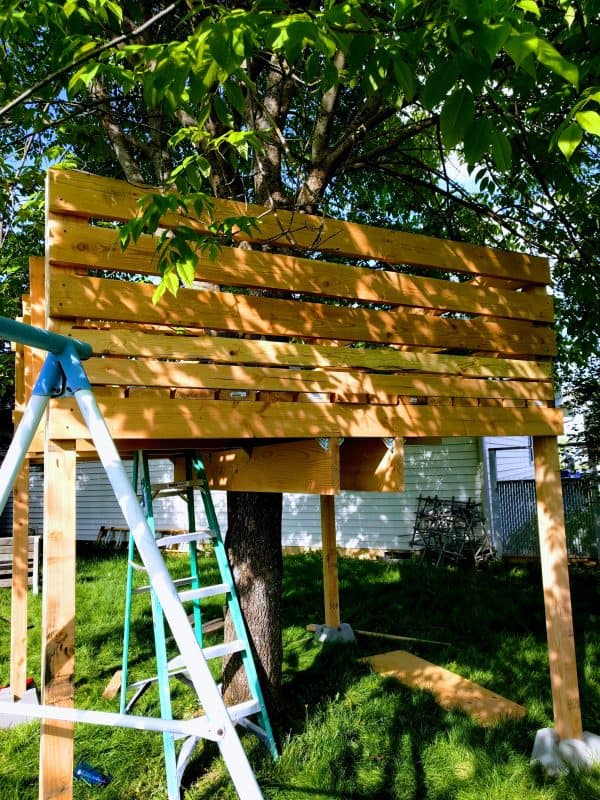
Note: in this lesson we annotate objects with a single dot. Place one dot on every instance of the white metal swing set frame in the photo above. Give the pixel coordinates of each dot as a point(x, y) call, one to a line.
point(63, 374)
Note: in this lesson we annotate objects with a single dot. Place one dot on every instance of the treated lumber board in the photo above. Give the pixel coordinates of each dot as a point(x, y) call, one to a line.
point(557, 593)
point(74, 242)
point(331, 587)
point(37, 293)
point(303, 467)
point(155, 372)
point(137, 418)
point(19, 569)
point(449, 689)
point(58, 618)
point(127, 302)
point(169, 344)
point(368, 465)
point(87, 195)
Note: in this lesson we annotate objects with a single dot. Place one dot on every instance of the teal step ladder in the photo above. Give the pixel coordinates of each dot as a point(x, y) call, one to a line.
point(193, 592)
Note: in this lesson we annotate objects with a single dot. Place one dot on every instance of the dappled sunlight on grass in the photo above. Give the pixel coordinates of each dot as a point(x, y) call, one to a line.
point(346, 732)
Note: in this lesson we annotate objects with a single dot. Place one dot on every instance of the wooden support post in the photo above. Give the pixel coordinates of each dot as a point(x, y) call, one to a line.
point(18, 616)
point(331, 588)
point(557, 594)
point(58, 618)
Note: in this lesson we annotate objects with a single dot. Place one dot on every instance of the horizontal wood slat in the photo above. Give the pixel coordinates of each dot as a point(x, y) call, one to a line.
point(204, 419)
point(361, 351)
point(133, 341)
point(84, 195)
point(151, 372)
point(74, 242)
point(100, 298)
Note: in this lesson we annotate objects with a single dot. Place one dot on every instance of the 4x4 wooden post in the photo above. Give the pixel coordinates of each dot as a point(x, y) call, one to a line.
point(557, 593)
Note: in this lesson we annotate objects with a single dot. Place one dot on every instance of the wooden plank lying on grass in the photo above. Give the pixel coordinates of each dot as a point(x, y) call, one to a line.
point(449, 689)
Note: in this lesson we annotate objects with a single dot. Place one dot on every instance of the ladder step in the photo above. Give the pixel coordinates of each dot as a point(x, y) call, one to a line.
point(204, 591)
point(177, 582)
point(204, 535)
point(177, 664)
point(173, 488)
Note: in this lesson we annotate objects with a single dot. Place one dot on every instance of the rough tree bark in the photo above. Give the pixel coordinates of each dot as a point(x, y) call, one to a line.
point(253, 545)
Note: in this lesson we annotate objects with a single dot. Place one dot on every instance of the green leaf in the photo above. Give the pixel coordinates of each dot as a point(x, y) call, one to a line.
point(589, 121)
point(235, 96)
point(569, 139)
point(529, 6)
point(186, 270)
point(439, 83)
point(551, 58)
point(501, 150)
point(456, 116)
point(405, 78)
point(158, 293)
point(478, 140)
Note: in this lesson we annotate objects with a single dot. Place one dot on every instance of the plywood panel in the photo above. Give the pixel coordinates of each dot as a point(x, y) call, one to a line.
point(90, 196)
point(370, 465)
point(449, 689)
point(301, 467)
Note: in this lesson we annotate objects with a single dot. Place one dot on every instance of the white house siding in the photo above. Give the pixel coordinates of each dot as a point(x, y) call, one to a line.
point(364, 519)
point(514, 457)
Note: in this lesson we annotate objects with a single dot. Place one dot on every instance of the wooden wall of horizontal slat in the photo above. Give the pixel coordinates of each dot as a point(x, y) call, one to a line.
point(328, 334)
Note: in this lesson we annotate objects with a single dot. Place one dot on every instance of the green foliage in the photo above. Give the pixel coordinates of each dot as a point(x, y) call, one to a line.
point(222, 97)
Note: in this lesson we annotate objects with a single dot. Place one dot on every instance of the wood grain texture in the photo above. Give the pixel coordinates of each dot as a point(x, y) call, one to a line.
point(369, 465)
point(331, 589)
point(58, 618)
point(188, 345)
point(557, 592)
point(105, 299)
point(137, 418)
point(75, 242)
point(84, 195)
point(155, 372)
point(302, 467)
point(449, 689)
point(19, 582)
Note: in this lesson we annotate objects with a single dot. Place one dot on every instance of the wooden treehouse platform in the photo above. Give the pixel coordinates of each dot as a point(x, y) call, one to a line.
point(325, 336)
point(302, 360)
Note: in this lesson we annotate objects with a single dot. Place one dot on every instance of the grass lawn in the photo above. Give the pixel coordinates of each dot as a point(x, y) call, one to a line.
point(345, 732)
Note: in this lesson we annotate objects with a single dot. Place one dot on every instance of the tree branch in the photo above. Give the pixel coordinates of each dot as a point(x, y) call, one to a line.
point(88, 56)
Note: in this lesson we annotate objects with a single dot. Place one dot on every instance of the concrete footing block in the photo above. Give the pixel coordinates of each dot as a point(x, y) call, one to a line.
point(343, 633)
point(556, 756)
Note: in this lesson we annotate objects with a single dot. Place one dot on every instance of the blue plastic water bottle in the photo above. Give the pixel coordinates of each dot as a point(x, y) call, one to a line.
point(85, 772)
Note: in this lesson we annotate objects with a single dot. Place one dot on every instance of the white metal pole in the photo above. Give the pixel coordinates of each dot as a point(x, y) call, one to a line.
point(204, 684)
point(198, 727)
point(19, 446)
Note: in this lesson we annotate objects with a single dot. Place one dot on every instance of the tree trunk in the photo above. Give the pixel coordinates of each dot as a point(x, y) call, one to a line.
point(253, 545)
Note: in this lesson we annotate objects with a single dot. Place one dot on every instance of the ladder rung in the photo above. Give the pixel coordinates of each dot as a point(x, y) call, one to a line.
point(204, 535)
point(174, 487)
point(243, 710)
point(178, 582)
point(204, 591)
point(177, 664)
point(135, 565)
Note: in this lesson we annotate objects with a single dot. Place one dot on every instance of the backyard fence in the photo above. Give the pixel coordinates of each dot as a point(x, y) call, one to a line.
point(517, 521)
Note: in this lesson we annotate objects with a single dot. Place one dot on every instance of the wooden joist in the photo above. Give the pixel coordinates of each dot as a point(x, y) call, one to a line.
point(158, 417)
